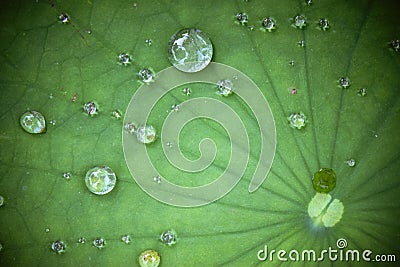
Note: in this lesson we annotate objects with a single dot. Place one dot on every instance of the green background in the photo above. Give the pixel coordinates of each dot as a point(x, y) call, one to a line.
point(42, 57)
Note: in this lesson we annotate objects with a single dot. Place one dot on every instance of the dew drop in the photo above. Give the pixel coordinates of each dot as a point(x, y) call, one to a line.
point(344, 82)
point(47, 230)
point(224, 87)
point(323, 24)
point(157, 179)
point(324, 180)
point(362, 92)
point(297, 120)
point(269, 24)
point(124, 59)
point(126, 239)
point(66, 175)
point(58, 246)
point(395, 45)
point(293, 91)
point(175, 107)
point(242, 18)
point(90, 108)
point(52, 122)
point(291, 63)
point(81, 240)
point(308, 2)
point(63, 18)
point(301, 43)
point(130, 127)
point(99, 243)
point(117, 114)
point(149, 258)
point(148, 42)
point(190, 50)
point(146, 75)
point(168, 237)
point(1, 201)
point(100, 180)
point(146, 134)
point(299, 21)
point(33, 122)
point(187, 91)
point(351, 162)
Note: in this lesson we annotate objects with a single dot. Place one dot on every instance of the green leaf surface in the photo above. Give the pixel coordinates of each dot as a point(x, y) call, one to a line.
point(45, 63)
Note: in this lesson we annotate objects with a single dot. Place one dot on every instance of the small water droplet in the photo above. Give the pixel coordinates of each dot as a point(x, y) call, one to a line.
point(1, 201)
point(58, 246)
point(50, 96)
point(99, 243)
point(190, 50)
point(146, 134)
point(323, 24)
point(297, 120)
point(269, 24)
point(251, 28)
point(124, 59)
point(301, 43)
point(242, 18)
point(344, 82)
point(308, 2)
point(100, 180)
point(117, 114)
point(299, 21)
point(67, 175)
point(187, 91)
point(1, 247)
point(291, 63)
point(395, 45)
point(324, 180)
point(175, 107)
point(33, 122)
point(63, 18)
point(52, 122)
point(130, 127)
point(148, 42)
point(90, 108)
point(362, 92)
point(146, 75)
point(293, 91)
point(126, 239)
point(81, 240)
point(89, 31)
point(168, 237)
point(149, 258)
point(157, 179)
point(351, 162)
point(224, 87)
point(47, 230)
point(169, 144)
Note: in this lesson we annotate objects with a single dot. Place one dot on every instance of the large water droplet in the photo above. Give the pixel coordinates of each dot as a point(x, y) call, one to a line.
point(33, 122)
point(146, 134)
point(100, 180)
point(149, 258)
point(190, 50)
point(324, 180)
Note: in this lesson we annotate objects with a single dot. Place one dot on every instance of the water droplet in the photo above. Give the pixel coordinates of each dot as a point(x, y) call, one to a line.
point(344, 82)
point(190, 50)
point(126, 239)
point(169, 144)
point(117, 114)
point(242, 18)
point(1, 247)
point(269, 24)
point(224, 87)
point(362, 92)
point(81, 240)
point(146, 75)
point(52, 122)
point(395, 45)
point(63, 18)
point(187, 91)
point(323, 24)
point(301, 43)
point(90, 108)
point(33, 122)
point(148, 42)
point(67, 175)
point(175, 107)
point(99, 243)
point(124, 59)
point(308, 2)
point(58, 246)
point(351, 162)
point(100, 180)
point(88, 31)
point(50, 96)
point(297, 120)
point(299, 21)
point(168, 237)
point(251, 28)
point(146, 134)
point(47, 230)
point(1, 201)
point(157, 179)
point(149, 258)
point(291, 63)
point(324, 180)
point(130, 127)
point(293, 91)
